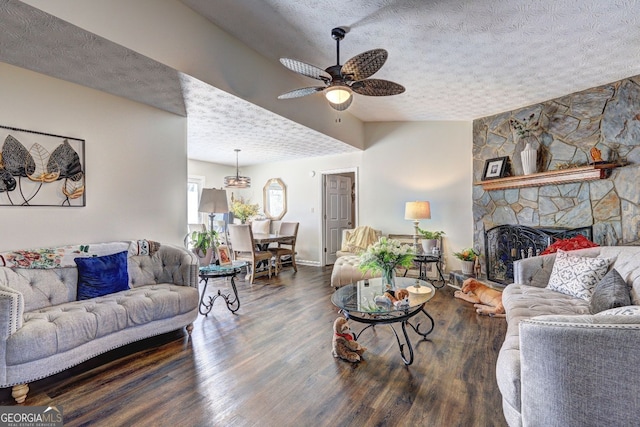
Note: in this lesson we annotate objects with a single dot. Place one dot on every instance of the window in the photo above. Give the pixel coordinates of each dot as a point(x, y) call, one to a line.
point(194, 189)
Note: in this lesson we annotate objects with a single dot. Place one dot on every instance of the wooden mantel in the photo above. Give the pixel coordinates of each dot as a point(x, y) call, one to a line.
point(565, 176)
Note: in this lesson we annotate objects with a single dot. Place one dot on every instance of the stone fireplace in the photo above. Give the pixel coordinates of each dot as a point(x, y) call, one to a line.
point(505, 244)
point(567, 128)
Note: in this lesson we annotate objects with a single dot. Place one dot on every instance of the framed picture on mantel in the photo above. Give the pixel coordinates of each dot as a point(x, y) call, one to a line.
point(495, 168)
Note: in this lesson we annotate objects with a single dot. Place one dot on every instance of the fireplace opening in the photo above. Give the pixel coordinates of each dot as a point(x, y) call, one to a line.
point(505, 244)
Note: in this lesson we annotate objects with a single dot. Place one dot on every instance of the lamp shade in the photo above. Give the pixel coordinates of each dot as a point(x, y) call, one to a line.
point(417, 210)
point(213, 200)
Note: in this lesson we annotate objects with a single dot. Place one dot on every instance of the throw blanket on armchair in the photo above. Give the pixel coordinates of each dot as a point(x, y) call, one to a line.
point(359, 239)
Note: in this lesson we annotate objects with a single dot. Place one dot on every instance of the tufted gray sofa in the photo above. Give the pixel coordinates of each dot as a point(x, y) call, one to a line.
point(561, 366)
point(44, 330)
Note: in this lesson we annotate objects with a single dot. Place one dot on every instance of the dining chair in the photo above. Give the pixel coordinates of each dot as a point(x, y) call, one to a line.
point(287, 248)
point(244, 249)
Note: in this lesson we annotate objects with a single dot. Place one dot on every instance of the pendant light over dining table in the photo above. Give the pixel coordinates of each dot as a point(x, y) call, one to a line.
point(237, 181)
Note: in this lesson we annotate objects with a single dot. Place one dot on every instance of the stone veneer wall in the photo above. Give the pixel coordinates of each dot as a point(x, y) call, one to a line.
point(607, 117)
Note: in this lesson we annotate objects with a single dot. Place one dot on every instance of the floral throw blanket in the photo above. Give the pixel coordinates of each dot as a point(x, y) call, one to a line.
point(63, 256)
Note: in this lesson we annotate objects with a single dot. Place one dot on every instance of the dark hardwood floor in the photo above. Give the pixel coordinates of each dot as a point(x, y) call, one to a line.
point(271, 365)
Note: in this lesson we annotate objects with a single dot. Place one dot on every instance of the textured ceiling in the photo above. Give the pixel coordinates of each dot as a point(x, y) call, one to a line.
point(213, 133)
point(217, 121)
point(458, 59)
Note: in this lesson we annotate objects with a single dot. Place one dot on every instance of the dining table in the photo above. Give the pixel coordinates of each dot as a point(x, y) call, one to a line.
point(262, 241)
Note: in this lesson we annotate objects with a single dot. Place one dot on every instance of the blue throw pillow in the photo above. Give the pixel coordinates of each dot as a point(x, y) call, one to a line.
point(102, 275)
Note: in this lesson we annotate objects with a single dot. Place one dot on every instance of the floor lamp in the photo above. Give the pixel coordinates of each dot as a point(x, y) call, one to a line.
point(417, 211)
point(214, 201)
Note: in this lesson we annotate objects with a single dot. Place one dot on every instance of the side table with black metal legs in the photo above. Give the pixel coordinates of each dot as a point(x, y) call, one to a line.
point(216, 272)
point(423, 259)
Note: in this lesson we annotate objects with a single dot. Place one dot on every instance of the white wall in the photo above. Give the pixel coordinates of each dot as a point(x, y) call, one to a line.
point(213, 173)
point(431, 161)
point(135, 164)
point(403, 162)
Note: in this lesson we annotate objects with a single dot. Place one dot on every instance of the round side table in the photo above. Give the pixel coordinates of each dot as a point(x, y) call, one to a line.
point(215, 272)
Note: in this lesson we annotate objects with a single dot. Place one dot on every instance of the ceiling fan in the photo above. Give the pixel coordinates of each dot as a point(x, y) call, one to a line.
point(341, 80)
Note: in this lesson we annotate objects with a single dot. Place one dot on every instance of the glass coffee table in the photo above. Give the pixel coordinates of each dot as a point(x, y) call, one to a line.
point(357, 301)
point(215, 272)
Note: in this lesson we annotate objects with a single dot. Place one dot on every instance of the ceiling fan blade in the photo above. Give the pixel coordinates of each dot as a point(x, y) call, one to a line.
point(297, 93)
point(364, 65)
point(377, 87)
point(306, 69)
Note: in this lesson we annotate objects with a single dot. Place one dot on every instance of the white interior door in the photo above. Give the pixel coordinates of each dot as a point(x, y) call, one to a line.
point(337, 213)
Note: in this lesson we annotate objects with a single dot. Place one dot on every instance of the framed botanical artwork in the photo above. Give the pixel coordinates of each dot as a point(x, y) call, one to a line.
point(41, 169)
point(495, 168)
point(224, 256)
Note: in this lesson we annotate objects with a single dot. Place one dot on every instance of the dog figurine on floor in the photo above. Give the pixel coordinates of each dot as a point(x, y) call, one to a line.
point(344, 344)
point(487, 301)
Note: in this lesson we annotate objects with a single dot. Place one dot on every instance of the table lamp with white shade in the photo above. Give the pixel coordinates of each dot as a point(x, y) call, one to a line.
point(416, 211)
point(213, 201)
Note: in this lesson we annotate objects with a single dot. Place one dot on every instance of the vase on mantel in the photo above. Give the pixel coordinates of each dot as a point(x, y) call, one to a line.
point(529, 158)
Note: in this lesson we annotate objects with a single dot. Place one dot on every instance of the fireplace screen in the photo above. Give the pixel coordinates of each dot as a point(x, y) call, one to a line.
point(505, 244)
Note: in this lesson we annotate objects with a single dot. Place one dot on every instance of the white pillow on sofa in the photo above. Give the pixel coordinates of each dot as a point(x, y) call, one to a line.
point(628, 310)
point(577, 276)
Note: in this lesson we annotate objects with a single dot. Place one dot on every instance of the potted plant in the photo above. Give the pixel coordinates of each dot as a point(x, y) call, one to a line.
point(203, 245)
point(243, 210)
point(430, 239)
point(384, 256)
point(468, 257)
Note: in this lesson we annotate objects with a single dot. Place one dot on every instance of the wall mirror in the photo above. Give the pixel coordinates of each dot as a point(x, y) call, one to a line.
point(275, 199)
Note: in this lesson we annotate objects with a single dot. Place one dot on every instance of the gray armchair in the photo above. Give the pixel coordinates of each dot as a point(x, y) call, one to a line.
point(580, 370)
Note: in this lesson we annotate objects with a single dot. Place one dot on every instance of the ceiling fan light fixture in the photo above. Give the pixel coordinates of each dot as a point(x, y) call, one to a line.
point(237, 181)
point(338, 94)
point(340, 81)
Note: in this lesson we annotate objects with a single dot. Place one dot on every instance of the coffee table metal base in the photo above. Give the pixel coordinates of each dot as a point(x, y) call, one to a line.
point(365, 302)
point(404, 321)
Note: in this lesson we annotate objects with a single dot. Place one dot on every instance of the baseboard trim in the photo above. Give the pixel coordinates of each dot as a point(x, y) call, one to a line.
point(308, 262)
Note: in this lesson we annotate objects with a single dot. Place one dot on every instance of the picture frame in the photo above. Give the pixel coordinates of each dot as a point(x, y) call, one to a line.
point(41, 169)
point(224, 256)
point(495, 168)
